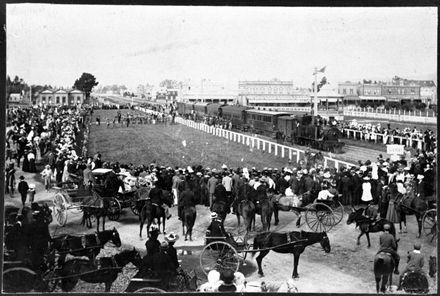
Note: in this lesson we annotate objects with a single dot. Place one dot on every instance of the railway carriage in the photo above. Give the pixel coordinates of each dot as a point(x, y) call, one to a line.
point(237, 115)
point(264, 122)
point(214, 109)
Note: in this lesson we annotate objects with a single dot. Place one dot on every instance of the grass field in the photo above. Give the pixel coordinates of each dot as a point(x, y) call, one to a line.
point(172, 145)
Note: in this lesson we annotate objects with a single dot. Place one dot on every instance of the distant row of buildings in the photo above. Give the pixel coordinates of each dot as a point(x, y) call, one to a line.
point(51, 97)
point(272, 94)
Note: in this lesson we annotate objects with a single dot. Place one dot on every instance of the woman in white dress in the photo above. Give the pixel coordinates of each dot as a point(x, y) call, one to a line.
point(367, 197)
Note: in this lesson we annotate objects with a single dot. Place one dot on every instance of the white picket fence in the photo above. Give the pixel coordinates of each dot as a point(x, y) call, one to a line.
point(404, 116)
point(279, 150)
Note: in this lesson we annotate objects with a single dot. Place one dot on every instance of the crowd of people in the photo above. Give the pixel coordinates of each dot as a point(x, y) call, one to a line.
point(43, 134)
point(425, 140)
point(58, 135)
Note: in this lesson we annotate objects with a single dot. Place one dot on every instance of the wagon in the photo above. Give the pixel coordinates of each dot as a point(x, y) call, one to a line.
point(71, 197)
point(20, 274)
point(223, 253)
point(321, 215)
point(429, 221)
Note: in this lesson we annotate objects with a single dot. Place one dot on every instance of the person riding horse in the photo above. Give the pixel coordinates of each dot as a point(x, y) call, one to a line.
point(388, 245)
point(156, 198)
point(187, 199)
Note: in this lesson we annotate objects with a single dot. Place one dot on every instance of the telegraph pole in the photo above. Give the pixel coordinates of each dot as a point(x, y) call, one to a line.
point(315, 98)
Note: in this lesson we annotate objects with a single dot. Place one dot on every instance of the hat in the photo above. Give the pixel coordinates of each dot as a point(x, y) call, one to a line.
point(213, 276)
point(164, 245)
point(171, 237)
point(327, 175)
point(366, 178)
point(224, 166)
point(21, 178)
point(386, 227)
point(305, 171)
point(199, 174)
point(417, 246)
point(420, 177)
point(214, 215)
point(227, 276)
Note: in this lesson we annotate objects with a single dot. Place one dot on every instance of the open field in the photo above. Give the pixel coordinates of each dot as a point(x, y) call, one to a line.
point(173, 145)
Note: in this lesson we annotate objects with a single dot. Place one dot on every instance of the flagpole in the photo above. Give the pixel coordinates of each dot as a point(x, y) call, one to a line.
point(315, 105)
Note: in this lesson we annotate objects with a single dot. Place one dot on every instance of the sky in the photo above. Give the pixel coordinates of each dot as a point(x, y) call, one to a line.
point(131, 45)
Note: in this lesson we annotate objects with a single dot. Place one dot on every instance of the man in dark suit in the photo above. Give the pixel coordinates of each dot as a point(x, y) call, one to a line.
point(23, 188)
point(388, 245)
point(415, 262)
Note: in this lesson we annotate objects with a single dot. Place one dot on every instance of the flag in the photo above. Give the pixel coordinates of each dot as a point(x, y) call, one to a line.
point(320, 70)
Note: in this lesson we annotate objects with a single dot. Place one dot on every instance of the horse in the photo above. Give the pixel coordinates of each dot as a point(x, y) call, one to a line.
point(410, 204)
point(293, 242)
point(295, 203)
point(383, 270)
point(106, 271)
point(148, 213)
point(189, 215)
point(366, 225)
point(98, 207)
point(245, 209)
point(221, 207)
point(87, 245)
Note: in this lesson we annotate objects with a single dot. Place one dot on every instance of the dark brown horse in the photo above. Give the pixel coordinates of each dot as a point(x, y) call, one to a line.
point(189, 215)
point(87, 245)
point(149, 211)
point(246, 209)
point(383, 270)
point(409, 204)
point(293, 242)
point(106, 271)
point(367, 225)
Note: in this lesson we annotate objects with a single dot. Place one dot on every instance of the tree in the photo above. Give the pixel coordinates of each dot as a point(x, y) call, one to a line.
point(168, 83)
point(15, 86)
point(86, 83)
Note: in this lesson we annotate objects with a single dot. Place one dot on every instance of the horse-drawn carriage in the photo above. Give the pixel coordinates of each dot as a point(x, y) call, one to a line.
point(27, 261)
point(320, 214)
point(75, 196)
point(229, 252)
point(429, 222)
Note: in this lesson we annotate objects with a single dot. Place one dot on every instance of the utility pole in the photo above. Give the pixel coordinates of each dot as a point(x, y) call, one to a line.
point(315, 95)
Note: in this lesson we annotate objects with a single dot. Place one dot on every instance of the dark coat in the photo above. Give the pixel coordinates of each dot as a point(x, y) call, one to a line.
point(23, 187)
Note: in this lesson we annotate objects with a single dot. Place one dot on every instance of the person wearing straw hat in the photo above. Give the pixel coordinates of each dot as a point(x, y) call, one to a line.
point(171, 239)
point(47, 177)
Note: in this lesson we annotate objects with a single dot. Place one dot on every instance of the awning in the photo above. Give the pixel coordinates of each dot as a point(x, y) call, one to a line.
point(330, 100)
point(372, 98)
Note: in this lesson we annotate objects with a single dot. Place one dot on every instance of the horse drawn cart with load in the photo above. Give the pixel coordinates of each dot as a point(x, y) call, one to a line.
point(75, 196)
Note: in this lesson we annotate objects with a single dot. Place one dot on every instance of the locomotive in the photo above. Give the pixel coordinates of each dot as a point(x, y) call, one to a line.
point(298, 129)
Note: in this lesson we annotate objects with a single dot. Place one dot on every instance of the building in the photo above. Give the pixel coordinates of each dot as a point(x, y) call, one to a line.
point(15, 98)
point(273, 95)
point(329, 97)
point(59, 97)
point(206, 91)
point(401, 93)
point(348, 88)
point(428, 92)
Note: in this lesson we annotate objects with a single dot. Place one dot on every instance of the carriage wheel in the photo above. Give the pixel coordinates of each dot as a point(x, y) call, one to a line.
point(430, 222)
point(338, 211)
point(114, 210)
point(319, 217)
point(60, 209)
point(150, 290)
point(49, 278)
point(18, 279)
point(220, 256)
